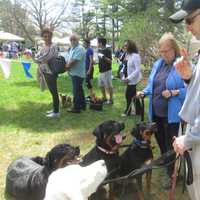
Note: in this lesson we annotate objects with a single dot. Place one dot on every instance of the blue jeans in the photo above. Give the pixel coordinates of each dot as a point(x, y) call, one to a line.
point(78, 93)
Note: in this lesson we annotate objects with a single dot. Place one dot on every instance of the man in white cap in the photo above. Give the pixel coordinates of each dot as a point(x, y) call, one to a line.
point(190, 111)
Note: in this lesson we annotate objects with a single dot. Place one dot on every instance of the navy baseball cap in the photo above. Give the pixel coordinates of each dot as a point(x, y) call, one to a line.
point(188, 7)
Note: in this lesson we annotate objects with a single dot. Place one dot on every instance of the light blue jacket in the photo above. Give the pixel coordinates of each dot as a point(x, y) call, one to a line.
point(173, 82)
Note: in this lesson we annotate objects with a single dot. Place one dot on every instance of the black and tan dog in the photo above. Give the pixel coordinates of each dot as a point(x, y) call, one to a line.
point(27, 177)
point(108, 139)
point(138, 154)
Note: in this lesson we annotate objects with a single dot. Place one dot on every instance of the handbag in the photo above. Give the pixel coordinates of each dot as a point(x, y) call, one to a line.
point(57, 65)
point(97, 105)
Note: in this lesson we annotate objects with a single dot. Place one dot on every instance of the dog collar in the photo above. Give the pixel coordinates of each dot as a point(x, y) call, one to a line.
point(140, 143)
point(105, 151)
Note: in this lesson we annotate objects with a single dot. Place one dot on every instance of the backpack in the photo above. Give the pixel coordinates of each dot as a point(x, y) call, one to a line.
point(57, 65)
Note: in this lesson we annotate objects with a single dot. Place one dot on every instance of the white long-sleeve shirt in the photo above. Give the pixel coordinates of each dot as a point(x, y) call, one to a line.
point(134, 74)
point(190, 111)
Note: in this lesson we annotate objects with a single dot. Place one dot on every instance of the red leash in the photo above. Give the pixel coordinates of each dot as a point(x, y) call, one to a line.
point(174, 178)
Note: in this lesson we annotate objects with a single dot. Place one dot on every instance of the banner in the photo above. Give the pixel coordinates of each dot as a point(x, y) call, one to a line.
point(5, 66)
point(27, 66)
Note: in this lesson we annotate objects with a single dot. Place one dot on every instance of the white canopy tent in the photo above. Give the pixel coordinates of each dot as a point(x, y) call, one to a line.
point(5, 36)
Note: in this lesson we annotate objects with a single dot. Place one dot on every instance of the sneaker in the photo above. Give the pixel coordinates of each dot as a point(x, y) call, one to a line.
point(53, 115)
point(49, 111)
point(124, 115)
point(109, 102)
point(104, 100)
point(87, 99)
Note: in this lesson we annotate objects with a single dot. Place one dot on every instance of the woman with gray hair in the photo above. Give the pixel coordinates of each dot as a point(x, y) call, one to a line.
point(166, 91)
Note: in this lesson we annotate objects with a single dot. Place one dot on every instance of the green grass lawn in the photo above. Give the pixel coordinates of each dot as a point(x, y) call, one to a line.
point(24, 129)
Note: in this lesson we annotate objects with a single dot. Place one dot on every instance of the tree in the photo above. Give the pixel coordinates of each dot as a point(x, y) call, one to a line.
point(44, 13)
point(144, 31)
point(30, 17)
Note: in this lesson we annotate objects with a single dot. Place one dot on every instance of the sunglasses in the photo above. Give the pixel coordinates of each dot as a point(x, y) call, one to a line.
point(190, 20)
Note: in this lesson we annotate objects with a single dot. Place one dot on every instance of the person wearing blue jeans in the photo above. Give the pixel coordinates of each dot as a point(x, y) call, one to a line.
point(76, 69)
point(78, 93)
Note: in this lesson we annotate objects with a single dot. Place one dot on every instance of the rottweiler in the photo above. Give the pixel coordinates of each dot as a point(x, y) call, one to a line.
point(138, 154)
point(27, 177)
point(108, 139)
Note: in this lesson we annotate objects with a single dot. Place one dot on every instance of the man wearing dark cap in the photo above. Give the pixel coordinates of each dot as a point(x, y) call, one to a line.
point(190, 111)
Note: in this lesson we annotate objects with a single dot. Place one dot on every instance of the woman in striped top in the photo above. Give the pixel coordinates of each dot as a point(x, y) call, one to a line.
point(47, 52)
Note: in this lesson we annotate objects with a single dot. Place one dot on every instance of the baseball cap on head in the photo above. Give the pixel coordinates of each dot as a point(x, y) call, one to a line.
point(188, 7)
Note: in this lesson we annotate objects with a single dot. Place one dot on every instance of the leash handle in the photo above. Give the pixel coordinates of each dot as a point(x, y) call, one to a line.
point(141, 103)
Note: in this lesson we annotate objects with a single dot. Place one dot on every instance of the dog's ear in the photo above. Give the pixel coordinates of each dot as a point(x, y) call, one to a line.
point(136, 131)
point(77, 151)
point(122, 126)
point(39, 160)
point(48, 161)
point(98, 132)
point(154, 127)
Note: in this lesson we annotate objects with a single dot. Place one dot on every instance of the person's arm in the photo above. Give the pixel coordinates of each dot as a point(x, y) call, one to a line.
point(180, 90)
point(108, 60)
point(192, 137)
point(71, 64)
point(91, 62)
point(76, 57)
point(148, 89)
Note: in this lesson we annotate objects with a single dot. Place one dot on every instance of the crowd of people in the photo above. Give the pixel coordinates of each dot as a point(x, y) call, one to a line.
point(15, 50)
point(79, 65)
point(172, 87)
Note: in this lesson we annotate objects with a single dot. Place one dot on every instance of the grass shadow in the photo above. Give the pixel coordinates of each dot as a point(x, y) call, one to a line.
point(31, 117)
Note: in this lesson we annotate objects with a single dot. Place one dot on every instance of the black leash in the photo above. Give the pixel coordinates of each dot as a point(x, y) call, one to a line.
point(141, 102)
point(156, 164)
point(136, 172)
point(188, 161)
